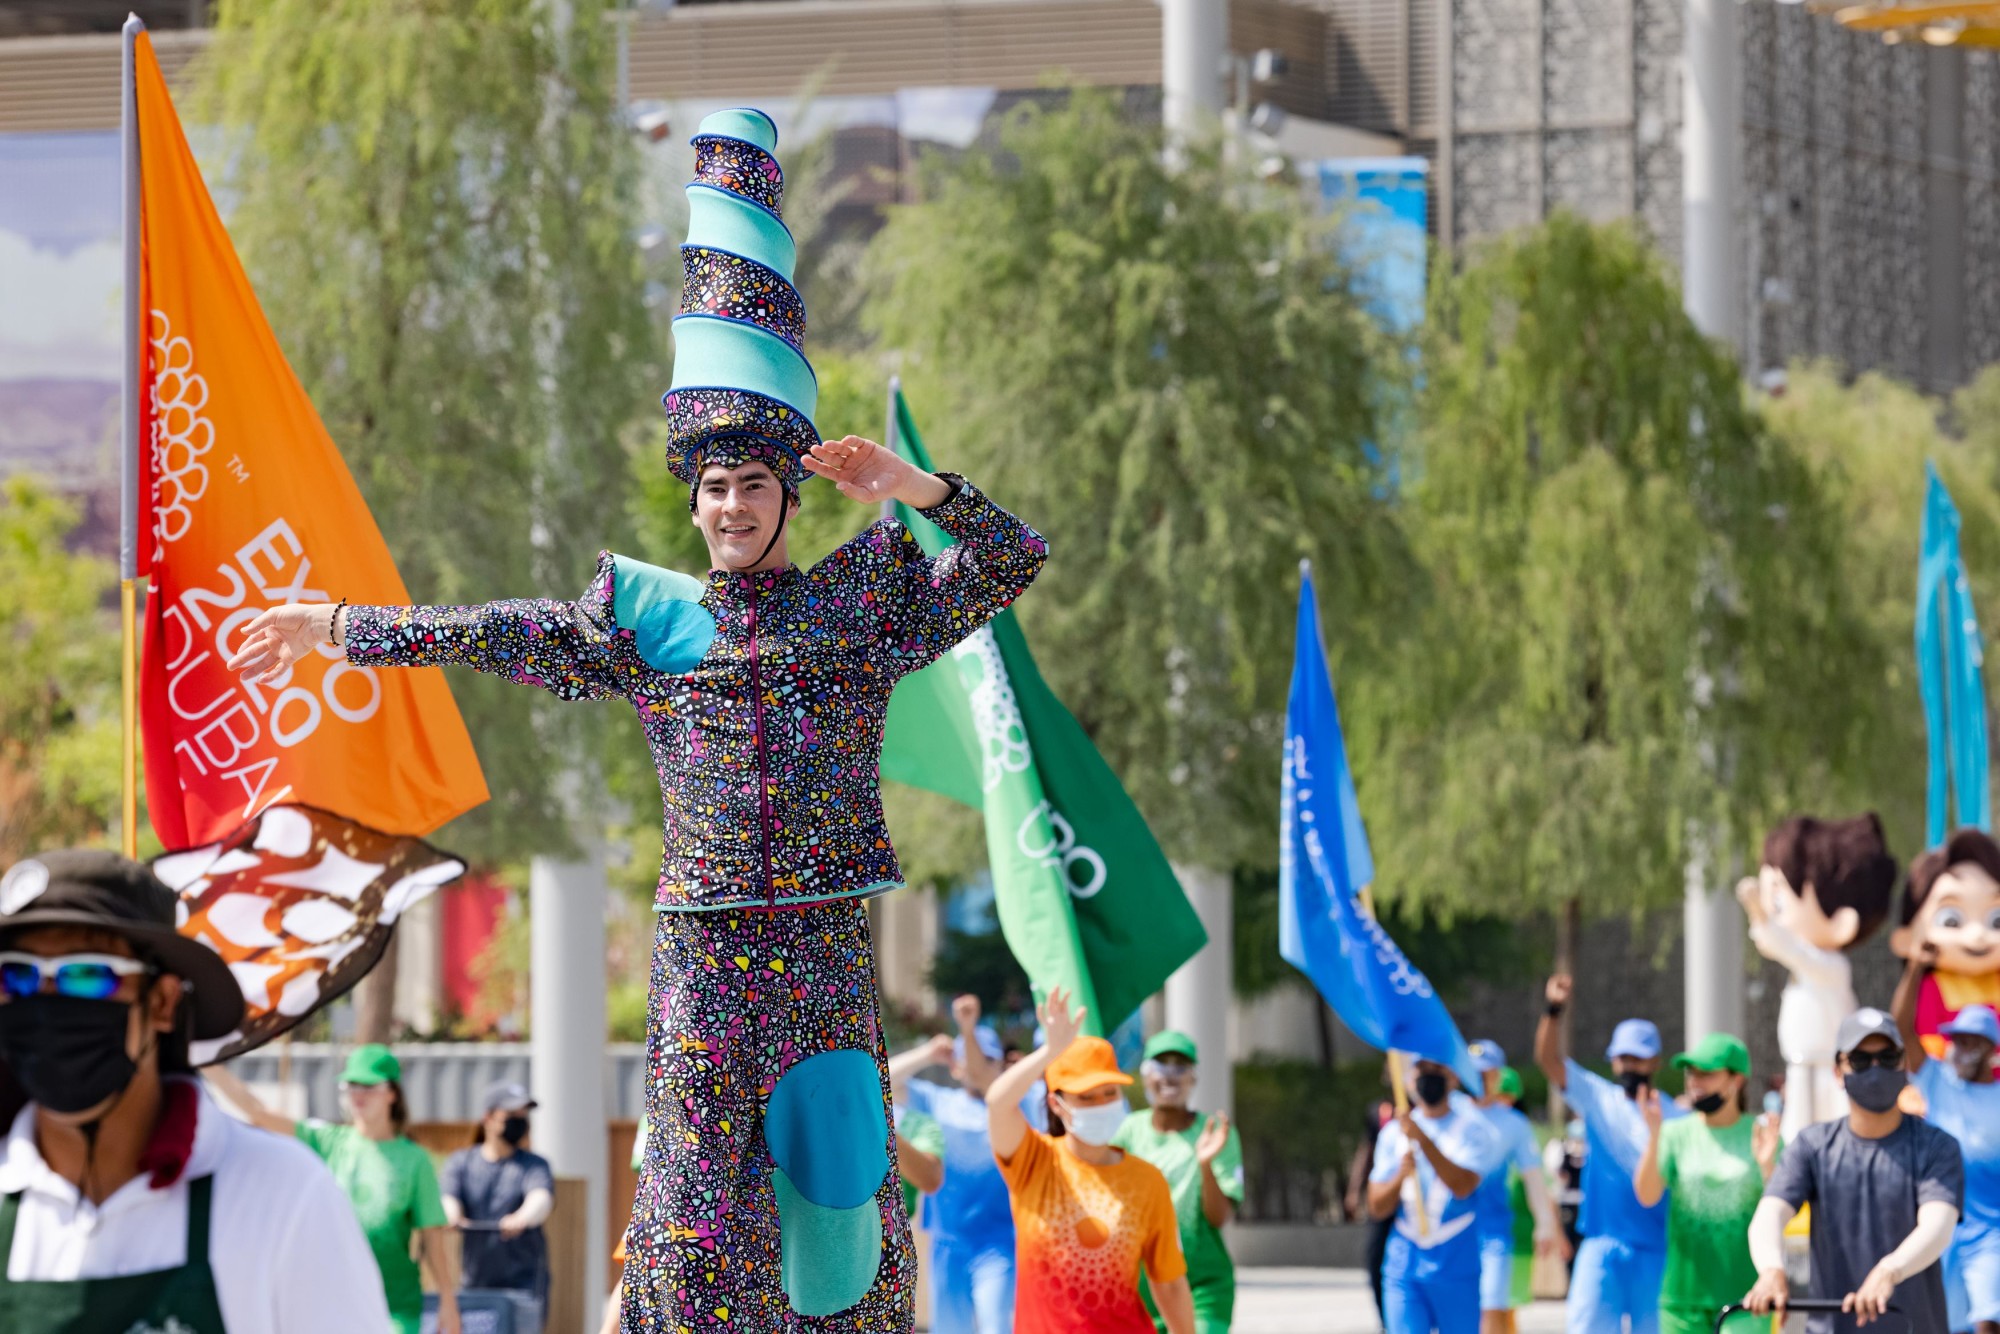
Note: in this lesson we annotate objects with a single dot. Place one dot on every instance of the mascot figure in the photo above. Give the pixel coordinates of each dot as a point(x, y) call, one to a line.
point(1824, 887)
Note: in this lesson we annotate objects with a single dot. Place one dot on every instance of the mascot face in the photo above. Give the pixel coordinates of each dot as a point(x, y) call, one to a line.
point(1961, 917)
point(1801, 914)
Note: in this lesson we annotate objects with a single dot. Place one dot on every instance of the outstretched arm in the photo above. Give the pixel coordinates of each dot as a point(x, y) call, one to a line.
point(573, 650)
point(225, 1081)
point(1004, 1123)
point(931, 1051)
point(1647, 1183)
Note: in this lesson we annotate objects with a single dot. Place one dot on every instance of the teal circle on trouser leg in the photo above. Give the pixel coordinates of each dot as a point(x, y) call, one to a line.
point(828, 1143)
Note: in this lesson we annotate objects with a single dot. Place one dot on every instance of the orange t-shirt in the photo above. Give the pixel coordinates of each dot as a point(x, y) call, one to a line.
point(1081, 1233)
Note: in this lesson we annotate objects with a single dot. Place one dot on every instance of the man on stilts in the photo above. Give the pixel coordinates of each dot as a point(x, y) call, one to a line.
point(768, 1199)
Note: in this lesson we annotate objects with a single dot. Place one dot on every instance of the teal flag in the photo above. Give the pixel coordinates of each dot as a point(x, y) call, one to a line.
point(1084, 894)
point(1949, 673)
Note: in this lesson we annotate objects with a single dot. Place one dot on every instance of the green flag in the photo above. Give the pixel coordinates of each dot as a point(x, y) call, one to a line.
point(1085, 897)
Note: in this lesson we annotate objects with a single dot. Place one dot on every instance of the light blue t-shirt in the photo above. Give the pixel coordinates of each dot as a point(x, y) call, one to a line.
point(1494, 1203)
point(1466, 1137)
point(1970, 1114)
point(1614, 1135)
point(970, 1209)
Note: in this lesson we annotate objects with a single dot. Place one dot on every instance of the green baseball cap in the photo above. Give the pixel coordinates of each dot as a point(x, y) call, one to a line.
point(1510, 1081)
point(371, 1063)
point(1170, 1041)
point(1717, 1051)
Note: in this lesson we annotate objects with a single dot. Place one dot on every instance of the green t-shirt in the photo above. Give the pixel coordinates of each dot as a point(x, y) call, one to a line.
point(1713, 1185)
point(923, 1132)
point(1210, 1272)
point(394, 1190)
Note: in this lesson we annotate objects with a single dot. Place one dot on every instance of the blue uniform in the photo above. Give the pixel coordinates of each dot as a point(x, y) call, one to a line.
point(1494, 1206)
point(1430, 1272)
point(969, 1218)
point(1616, 1278)
point(1970, 1114)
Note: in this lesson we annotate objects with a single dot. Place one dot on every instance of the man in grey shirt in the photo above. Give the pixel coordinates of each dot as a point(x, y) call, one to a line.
point(1885, 1189)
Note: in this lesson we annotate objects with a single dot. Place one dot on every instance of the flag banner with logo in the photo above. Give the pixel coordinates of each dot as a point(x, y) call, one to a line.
point(1324, 864)
point(245, 503)
point(1085, 897)
point(300, 904)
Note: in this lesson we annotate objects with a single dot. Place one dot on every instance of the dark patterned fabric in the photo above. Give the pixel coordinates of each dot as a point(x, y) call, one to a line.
point(715, 282)
point(739, 1000)
point(768, 746)
point(740, 167)
point(700, 420)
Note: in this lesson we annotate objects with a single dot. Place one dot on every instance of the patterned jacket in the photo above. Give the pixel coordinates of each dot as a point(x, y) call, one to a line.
point(763, 696)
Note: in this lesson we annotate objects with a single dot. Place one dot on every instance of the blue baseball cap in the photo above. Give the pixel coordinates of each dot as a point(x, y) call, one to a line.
point(1638, 1038)
point(1974, 1021)
point(988, 1040)
point(1486, 1055)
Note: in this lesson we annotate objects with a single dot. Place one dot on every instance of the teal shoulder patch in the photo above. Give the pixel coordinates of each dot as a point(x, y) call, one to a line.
point(662, 609)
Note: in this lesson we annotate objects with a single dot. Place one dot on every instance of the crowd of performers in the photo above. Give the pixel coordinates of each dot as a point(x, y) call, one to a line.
point(1863, 1185)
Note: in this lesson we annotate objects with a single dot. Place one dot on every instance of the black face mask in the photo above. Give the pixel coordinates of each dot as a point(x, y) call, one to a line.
point(1432, 1088)
point(68, 1053)
point(514, 1130)
point(1708, 1104)
point(1875, 1089)
point(1632, 1081)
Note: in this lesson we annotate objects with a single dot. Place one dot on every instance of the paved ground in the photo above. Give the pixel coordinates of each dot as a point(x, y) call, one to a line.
point(1333, 1301)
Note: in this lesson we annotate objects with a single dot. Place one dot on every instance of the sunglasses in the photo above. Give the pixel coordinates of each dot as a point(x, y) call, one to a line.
point(1889, 1058)
point(80, 976)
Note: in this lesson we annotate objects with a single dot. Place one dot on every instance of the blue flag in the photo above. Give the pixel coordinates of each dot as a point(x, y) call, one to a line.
point(1949, 674)
point(1324, 864)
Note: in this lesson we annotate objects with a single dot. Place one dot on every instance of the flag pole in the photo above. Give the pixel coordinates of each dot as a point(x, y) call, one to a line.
point(1402, 1093)
point(889, 436)
point(128, 456)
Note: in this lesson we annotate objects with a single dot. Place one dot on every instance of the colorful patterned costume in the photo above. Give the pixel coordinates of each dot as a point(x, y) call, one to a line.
point(768, 1199)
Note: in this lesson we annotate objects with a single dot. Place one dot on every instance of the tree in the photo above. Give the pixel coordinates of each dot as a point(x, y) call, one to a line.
point(436, 201)
point(1166, 372)
point(1866, 442)
point(59, 719)
point(1632, 623)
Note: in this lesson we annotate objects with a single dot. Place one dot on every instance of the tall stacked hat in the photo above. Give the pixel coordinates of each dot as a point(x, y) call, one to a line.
point(742, 386)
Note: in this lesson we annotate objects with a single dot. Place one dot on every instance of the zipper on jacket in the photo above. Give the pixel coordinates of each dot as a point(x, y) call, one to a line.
point(763, 763)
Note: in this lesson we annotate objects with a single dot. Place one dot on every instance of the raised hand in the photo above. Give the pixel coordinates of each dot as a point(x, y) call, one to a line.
point(279, 637)
point(1060, 1025)
point(865, 471)
point(1764, 1143)
point(1213, 1139)
point(1649, 1107)
point(965, 1010)
point(940, 1048)
point(1559, 989)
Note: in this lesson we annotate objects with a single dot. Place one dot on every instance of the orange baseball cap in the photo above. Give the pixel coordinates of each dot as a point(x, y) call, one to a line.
point(1089, 1063)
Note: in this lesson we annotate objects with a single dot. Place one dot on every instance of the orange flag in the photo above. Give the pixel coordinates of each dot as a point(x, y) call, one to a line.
point(245, 503)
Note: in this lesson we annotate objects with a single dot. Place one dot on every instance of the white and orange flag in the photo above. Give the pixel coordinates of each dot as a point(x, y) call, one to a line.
point(245, 503)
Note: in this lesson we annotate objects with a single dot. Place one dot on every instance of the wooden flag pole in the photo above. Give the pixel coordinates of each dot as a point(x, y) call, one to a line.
point(1400, 1091)
point(128, 459)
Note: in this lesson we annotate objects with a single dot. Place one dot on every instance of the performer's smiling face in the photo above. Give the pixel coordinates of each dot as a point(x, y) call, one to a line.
point(739, 511)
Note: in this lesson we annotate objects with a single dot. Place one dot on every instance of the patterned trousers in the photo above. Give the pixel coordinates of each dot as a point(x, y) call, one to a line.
point(768, 1199)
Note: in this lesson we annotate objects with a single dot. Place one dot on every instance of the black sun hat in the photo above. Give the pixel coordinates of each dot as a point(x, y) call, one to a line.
point(101, 890)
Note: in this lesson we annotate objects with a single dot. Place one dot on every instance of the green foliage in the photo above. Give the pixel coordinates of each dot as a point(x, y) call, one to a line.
point(1167, 374)
point(435, 199)
point(1632, 622)
point(59, 723)
point(1301, 1124)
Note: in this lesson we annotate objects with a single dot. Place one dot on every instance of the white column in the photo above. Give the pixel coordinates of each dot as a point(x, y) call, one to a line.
point(1194, 38)
point(1711, 122)
point(566, 902)
point(1712, 972)
point(1201, 991)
